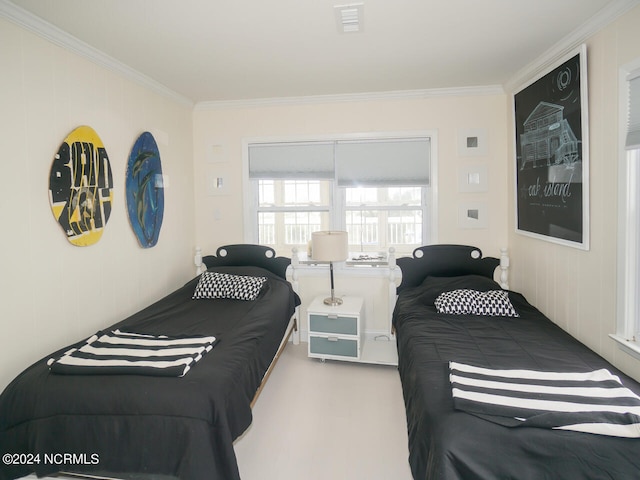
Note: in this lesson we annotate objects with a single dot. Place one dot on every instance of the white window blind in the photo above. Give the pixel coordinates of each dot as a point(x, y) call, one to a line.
point(300, 160)
point(633, 127)
point(397, 162)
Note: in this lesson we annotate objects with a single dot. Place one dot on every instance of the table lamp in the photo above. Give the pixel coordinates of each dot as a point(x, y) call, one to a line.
point(330, 246)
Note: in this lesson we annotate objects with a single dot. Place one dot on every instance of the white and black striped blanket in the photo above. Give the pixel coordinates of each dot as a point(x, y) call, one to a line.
point(592, 402)
point(116, 353)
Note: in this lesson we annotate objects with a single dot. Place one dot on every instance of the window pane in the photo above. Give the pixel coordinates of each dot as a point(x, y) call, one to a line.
point(266, 228)
point(383, 196)
point(375, 230)
point(303, 192)
point(404, 195)
point(359, 196)
point(363, 228)
point(405, 227)
point(299, 225)
point(284, 230)
point(293, 192)
point(381, 217)
point(266, 192)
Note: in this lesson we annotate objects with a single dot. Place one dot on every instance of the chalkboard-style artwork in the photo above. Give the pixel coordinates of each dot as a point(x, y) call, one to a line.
point(552, 154)
point(145, 190)
point(81, 187)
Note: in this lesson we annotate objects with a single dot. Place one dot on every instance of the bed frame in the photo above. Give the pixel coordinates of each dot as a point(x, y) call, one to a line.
point(450, 261)
point(448, 443)
point(244, 254)
point(256, 256)
point(226, 256)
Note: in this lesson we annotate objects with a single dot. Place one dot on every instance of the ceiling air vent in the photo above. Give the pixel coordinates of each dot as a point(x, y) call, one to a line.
point(349, 17)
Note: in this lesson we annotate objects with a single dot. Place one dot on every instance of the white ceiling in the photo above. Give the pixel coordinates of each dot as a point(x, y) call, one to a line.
point(221, 50)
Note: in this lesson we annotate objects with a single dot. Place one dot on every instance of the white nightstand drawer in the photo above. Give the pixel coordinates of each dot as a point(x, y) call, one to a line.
point(328, 323)
point(334, 346)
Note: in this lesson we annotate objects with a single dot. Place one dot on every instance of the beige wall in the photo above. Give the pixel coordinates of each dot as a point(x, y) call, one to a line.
point(575, 288)
point(53, 293)
point(220, 218)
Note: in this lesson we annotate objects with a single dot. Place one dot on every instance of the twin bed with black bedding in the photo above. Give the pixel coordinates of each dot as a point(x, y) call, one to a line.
point(171, 413)
point(492, 396)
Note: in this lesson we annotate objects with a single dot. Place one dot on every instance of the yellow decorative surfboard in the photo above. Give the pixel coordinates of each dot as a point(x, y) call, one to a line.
point(81, 187)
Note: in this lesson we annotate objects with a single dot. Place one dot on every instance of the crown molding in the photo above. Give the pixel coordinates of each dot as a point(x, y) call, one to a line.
point(569, 43)
point(57, 36)
point(352, 97)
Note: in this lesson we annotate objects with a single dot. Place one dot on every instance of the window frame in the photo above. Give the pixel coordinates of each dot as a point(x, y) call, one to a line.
point(338, 200)
point(628, 249)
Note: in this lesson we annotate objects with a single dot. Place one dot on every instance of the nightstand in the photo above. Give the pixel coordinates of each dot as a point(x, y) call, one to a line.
point(335, 331)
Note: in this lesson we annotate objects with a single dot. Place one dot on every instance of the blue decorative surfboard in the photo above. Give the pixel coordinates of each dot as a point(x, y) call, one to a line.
point(145, 190)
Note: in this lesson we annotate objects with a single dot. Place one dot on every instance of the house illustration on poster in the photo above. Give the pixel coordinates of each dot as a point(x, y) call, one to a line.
point(548, 138)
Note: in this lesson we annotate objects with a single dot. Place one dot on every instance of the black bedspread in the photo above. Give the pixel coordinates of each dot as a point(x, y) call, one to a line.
point(452, 445)
point(155, 426)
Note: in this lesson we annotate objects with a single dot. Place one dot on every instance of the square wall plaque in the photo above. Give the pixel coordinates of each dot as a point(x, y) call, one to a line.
point(472, 215)
point(472, 142)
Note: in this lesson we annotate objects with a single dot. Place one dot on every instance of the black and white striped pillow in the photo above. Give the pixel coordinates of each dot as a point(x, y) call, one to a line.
point(226, 285)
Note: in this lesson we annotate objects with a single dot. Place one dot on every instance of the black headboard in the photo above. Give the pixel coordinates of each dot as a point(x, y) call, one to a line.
point(248, 255)
point(444, 261)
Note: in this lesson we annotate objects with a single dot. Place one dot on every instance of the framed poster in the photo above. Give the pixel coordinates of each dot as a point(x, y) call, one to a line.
point(552, 154)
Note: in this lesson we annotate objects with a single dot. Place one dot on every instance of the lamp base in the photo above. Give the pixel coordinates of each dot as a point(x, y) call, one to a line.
point(333, 301)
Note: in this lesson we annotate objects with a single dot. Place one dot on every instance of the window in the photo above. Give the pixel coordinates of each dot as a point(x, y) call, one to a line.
point(378, 190)
point(628, 331)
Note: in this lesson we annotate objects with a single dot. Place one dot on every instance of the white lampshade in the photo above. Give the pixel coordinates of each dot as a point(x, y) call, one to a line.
point(329, 246)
